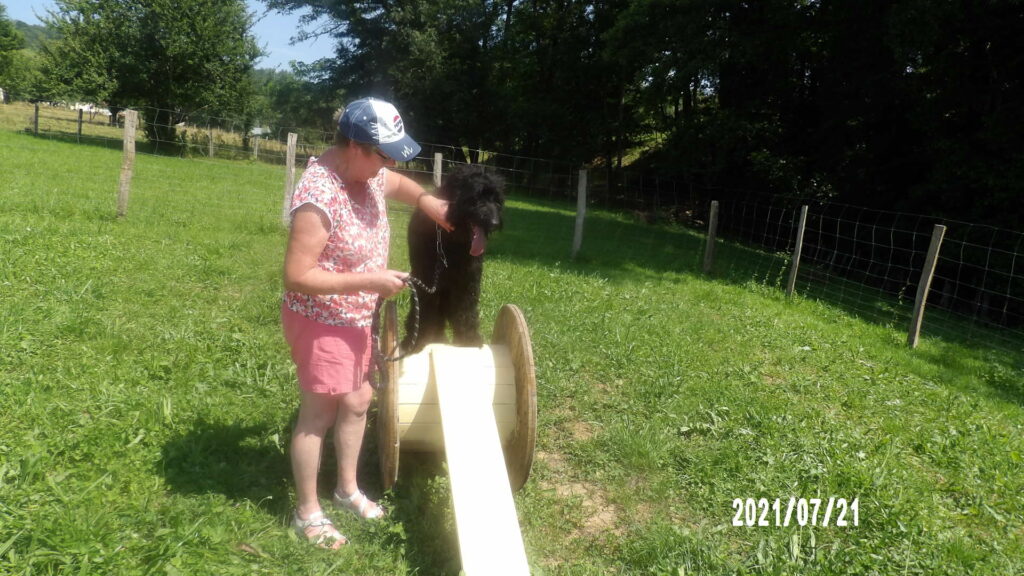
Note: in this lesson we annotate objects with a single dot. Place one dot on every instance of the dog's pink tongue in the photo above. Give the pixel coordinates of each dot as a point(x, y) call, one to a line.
point(479, 242)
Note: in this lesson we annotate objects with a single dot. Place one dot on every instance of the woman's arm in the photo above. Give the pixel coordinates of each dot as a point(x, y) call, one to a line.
point(408, 191)
point(302, 273)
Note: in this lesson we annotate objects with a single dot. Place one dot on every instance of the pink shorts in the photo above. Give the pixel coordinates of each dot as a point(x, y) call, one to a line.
point(328, 359)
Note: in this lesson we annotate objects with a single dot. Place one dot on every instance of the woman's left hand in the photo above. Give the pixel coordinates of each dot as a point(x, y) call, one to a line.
point(437, 209)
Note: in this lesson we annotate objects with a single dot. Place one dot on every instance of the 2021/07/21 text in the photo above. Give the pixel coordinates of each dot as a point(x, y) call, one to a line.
point(838, 512)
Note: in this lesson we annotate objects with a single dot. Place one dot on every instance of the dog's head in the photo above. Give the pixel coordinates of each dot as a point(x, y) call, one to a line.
point(476, 201)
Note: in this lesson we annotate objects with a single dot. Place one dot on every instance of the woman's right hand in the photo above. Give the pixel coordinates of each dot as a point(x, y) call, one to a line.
point(387, 283)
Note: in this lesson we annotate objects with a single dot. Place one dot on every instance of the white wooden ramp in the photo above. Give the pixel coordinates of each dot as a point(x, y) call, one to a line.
point(490, 541)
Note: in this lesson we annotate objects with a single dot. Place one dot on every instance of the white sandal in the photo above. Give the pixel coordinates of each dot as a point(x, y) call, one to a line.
point(323, 533)
point(358, 504)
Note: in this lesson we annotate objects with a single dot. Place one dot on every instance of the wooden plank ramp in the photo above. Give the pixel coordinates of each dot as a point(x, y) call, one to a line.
point(490, 540)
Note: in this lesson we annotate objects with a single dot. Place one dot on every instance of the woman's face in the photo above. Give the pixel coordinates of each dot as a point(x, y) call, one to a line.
point(365, 161)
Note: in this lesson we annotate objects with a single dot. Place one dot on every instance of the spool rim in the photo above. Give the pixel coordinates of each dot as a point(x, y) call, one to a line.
point(510, 330)
point(387, 410)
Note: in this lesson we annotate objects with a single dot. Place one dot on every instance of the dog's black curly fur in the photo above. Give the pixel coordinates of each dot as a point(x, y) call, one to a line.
point(476, 201)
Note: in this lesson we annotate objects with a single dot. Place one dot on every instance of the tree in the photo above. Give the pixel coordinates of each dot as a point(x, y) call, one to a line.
point(909, 105)
point(527, 77)
point(430, 57)
point(292, 104)
point(176, 59)
point(10, 42)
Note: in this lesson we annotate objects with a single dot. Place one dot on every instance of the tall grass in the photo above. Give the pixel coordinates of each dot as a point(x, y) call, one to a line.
point(147, 399)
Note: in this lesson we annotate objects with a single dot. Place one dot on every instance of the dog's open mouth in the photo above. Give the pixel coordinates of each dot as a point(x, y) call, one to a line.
point(479, 242)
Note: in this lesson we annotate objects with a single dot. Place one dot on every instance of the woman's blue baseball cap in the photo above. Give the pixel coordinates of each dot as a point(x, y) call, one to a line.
point(377, 122)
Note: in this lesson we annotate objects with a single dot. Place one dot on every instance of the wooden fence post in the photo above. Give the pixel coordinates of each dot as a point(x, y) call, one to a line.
point(35, 121)
point(127, 162)
point(791, 285)
point(581, 213)
point(925, 284)
point(438, 161)
point(210, 130)
point(79, 138)
point(256, 148)
point(709, 250)
point(289, 180)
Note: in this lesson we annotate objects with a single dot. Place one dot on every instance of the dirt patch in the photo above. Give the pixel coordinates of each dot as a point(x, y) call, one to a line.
point(598, 516)
point(581, 431)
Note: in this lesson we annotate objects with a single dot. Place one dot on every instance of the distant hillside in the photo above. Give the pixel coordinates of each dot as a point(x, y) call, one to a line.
point(34, 34)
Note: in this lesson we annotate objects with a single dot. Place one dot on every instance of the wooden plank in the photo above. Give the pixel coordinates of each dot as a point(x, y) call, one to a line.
point(431, 413)
point(417, 388)
point(490, 541)
point(412, 394)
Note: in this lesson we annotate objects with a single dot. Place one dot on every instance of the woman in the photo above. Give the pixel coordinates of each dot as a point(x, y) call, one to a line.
point(335, 269)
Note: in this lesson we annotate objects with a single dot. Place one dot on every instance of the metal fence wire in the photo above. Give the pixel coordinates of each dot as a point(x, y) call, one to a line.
point(865, 260)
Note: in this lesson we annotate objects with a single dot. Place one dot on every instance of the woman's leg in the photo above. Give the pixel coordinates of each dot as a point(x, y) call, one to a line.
point(317, 413)
point(348, 436)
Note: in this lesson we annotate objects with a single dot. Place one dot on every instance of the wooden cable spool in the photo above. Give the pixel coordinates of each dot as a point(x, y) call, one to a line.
point(409, 417)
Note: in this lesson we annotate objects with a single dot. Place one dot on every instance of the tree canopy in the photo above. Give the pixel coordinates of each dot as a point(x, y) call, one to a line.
point(175, 58)
point(907, 105)
point(11, 41)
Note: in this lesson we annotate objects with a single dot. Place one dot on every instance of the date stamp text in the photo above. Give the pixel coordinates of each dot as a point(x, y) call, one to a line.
point(837, 512)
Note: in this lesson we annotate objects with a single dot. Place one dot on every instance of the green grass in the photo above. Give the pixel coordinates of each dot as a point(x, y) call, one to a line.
point(147, 398)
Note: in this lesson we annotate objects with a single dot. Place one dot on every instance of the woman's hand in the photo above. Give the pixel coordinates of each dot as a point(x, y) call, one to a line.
point(436, 209)
point(387, 283)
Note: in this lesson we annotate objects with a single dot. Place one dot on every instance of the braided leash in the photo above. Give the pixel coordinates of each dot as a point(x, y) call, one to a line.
point(380, 360)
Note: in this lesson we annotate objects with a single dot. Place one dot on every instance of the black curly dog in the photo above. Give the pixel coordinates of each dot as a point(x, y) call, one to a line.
point(476, 201)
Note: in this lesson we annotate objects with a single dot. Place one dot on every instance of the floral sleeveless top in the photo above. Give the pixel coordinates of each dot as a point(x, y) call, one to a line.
point(358, 242)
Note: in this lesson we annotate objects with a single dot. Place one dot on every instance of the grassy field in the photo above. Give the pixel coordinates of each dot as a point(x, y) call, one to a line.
point(147, 398)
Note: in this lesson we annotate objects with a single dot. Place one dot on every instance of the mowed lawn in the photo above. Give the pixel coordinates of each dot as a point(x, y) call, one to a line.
point(146, 399)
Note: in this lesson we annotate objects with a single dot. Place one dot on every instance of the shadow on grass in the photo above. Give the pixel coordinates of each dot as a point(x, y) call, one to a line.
point(622, 248)
point(251, 463)
point(613, 246)
point(423, 505)
point(420, 502)
point(240, 462)
point(1001, 372)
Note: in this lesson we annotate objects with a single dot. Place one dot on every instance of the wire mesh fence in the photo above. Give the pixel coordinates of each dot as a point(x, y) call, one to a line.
point(197, 135)
point(870, 263)
point(863, 260)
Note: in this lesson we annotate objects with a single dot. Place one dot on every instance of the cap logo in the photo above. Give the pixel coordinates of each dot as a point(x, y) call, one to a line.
point(378, 122)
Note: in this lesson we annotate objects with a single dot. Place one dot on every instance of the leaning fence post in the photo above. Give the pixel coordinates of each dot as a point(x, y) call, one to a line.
point(709, 250)
point(925, 284)
point(79, 138)
point(791, 284)
point(127, 162)
point(289, 180)
point(581, 212)
point(438, 159)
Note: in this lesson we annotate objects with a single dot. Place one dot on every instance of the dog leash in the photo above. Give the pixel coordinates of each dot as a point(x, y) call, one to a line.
point(380, 360)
